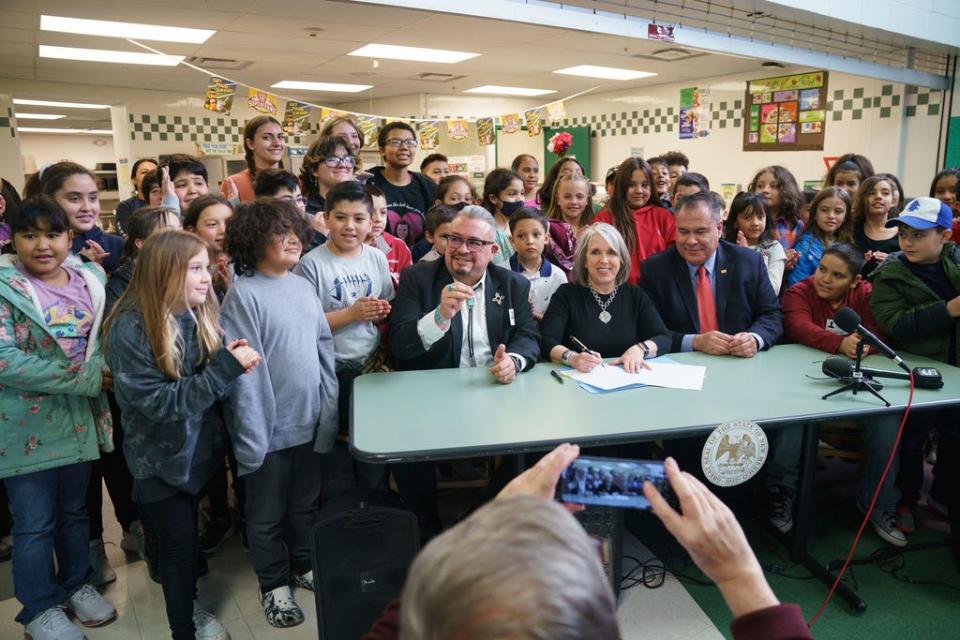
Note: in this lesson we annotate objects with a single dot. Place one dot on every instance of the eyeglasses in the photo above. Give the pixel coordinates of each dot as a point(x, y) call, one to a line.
point(473, 245)
point(339, 161)
point(409, 143)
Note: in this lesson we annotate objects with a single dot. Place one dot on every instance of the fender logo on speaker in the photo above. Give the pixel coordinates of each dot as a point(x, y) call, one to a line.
point(368, 582)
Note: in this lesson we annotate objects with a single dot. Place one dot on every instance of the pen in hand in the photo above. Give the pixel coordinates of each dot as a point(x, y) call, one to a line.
point(586, 349)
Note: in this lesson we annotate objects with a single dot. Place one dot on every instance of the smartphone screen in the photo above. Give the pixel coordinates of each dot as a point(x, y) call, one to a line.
point(612, 482)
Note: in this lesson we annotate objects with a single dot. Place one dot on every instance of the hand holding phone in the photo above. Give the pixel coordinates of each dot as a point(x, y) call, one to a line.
point(611, 482)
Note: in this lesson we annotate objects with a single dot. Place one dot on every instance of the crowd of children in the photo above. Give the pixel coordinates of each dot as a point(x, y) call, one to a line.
point(155, 359)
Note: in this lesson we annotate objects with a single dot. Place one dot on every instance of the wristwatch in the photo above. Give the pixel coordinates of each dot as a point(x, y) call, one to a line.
point(565, 357)
point(643, 347)
point(516, 363)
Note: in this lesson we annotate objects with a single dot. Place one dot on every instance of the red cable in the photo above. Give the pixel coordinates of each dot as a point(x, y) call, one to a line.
point(866, 517)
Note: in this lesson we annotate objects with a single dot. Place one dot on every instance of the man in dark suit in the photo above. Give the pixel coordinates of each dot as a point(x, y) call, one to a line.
point(714, 296)
point(460, 311)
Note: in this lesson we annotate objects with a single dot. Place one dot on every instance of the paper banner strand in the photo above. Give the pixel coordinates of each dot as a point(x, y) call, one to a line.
point(485, 132)
point(458, 130)
point(534, 119)
point(429, 134)
point(263, 102)
point(219, 96)
point(296, 118)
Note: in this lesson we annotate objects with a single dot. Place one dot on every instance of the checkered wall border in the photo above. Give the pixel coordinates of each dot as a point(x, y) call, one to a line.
point(164, 128)
point(6, 122)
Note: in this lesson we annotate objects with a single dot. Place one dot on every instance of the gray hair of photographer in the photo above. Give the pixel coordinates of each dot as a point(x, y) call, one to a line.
point(523, 567)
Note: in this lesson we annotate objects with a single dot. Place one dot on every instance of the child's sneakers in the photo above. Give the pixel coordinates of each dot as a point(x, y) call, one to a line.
point(280, 608)
point(89, 607)
point(206, 626)
point(52, 624)
point(886, 525)
point(304, 581)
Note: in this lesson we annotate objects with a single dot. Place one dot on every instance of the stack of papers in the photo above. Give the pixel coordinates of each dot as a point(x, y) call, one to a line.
point(663, 372)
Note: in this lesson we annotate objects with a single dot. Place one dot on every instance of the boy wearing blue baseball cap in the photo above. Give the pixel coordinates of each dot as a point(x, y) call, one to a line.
point(916, 301)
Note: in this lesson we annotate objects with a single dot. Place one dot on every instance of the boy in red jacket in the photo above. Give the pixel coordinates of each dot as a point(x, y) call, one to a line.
point(808, 310)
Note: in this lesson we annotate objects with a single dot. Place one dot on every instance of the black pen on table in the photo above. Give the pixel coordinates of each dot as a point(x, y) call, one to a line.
point(584, 348)
point(556, 374)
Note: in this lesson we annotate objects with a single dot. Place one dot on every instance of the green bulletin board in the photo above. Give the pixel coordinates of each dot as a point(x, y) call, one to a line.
point(580, 149)
point(952, 158)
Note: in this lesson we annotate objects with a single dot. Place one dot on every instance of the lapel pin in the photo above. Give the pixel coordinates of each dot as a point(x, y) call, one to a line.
point(723, 270)
point(498, 298)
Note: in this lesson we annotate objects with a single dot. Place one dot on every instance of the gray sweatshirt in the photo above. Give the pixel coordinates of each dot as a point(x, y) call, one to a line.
point(291, 398)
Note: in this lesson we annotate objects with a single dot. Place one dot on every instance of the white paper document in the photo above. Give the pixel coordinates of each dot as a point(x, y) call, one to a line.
point(660, 374)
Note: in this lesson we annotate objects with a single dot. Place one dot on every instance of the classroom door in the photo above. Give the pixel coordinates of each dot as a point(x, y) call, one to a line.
point(580, 149)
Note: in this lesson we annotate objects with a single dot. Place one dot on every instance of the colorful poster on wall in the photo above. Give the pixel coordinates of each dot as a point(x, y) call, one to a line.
point(296, 118)
point(511, 123)
point(369, 125)
point(263, 101)
point(556, 111)
point(458, 130)
point(429, 134)
point(786, 113)
point(534, 118)
point(694, 114)
point(485, 131)
point(219, 96)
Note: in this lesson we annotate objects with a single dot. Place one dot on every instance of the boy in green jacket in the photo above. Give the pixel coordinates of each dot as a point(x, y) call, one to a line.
point(916, 300)
point(54, 418)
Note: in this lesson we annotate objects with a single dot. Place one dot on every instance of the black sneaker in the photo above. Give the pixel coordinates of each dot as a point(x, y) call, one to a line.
point(780, 509)
point(216, 533)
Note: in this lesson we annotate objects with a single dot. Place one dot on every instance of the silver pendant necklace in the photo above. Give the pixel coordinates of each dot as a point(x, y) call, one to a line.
point(604, 316)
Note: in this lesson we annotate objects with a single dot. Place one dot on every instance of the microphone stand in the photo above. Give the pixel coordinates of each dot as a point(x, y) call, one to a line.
point(859, 382)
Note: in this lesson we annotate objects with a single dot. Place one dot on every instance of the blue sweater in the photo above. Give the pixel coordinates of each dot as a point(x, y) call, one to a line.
point(111, 244)
point(172, 428)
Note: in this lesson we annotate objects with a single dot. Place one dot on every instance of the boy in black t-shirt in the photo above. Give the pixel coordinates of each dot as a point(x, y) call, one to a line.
point(409, 194)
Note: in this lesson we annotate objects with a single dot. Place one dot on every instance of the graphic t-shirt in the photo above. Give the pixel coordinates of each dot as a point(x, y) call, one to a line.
point(340, 282)
point(68, 311)
point(407, 205)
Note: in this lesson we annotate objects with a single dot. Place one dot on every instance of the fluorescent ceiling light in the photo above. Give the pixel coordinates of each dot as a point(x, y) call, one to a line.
point(338, 87)
point(606, 73)
point(92, 132)
point(395, 52)
point(510, 91)
point(53, 103)
point(108, 55)
point(38, 116)
point(110, 29)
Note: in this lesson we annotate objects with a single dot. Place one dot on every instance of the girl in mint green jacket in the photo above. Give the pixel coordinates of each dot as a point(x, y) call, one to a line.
point(54, 418)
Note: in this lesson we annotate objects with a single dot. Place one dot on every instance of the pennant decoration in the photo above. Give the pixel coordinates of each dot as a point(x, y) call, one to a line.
point(219, 96)
point(327, 113)
point(556, 111)
point(458, 130)
point(485, 131)
point(429, 134)
point(511, 123)
point(370, 126)
point(296, 118)
point(263, 102)
point(534, 122)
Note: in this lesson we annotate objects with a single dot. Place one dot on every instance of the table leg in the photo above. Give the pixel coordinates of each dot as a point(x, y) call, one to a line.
point(801, 521)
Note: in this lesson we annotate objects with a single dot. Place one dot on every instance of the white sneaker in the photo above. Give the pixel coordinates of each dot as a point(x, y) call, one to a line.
point(89, 607)
point(103, 573)
point(280, 608)
point(206, 626)
point(52, 624)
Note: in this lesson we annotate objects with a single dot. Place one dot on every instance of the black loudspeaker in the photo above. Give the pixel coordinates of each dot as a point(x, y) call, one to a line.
point(363, 543)
point(606, 525)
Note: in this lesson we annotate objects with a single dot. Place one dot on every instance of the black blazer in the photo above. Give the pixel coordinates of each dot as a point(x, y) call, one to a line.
point(419, 293)
point(744, 296)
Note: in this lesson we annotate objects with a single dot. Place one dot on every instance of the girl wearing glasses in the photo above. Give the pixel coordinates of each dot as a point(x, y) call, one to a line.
point(329, 161)
point(263, 144)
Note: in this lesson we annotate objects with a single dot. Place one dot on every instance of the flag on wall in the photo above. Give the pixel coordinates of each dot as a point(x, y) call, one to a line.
point(556, 111)
point(511, 123)
point(296, 118)
point(458, 130)
point(534, 119)
point(263, 101)
point(429, 133)
point(485, 131)
point(219, 96)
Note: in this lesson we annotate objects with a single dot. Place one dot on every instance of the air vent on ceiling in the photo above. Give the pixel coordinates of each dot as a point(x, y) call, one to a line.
point(671, 54)
point(224, 64)
point(436, 77)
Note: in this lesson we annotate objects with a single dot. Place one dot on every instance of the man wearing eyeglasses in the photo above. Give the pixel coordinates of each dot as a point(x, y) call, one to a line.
point(409, 194)
point(460, 311)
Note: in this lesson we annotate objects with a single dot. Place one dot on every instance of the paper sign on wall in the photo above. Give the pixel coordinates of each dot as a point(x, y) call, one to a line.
point(556, 111)
point(296, 117)
point(263, 101)
point(534, 122)
point(511, 123)
point(219, 96)
point(458, 130)
point(485, 131)
point(429, 134)
point(370, 126)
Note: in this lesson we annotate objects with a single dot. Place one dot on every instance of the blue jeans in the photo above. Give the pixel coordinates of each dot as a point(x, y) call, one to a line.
point(49, 515)
point(878, 433)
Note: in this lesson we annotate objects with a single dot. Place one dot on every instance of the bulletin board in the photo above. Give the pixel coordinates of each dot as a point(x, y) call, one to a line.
point(787, 113)
point(580, 149)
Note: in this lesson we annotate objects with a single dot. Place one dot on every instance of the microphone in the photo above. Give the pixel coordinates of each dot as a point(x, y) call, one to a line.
point(849, 320)
point(842, 369)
